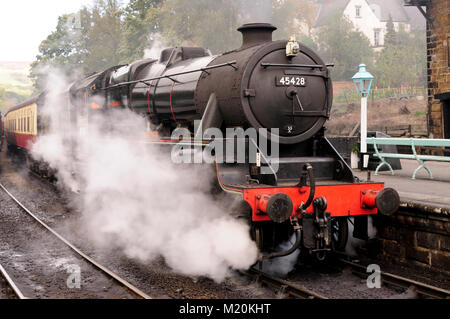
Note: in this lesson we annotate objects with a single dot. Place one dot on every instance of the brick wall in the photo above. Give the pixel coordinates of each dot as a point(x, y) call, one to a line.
point(438, 36)
point(418, 236)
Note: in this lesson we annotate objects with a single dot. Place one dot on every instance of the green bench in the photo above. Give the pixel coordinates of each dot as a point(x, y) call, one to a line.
point(413, 142)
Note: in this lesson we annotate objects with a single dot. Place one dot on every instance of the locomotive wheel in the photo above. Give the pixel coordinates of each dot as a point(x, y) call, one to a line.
point(258, 236)
point(339, 233)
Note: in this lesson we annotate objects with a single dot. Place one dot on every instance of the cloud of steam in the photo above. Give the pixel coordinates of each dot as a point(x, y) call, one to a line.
point(134, 199)
point(158, 44)
point(284, 265)
point(254, 11)
point(355, 243)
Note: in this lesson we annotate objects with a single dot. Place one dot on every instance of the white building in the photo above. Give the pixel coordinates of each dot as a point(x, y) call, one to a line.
point(371, 16)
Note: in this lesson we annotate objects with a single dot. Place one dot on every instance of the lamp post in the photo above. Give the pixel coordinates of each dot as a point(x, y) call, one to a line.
point(363, 83)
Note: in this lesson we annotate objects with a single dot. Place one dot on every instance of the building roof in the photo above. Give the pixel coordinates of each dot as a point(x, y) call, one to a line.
point(416, 19)
point(30, 101)
point(383, 10)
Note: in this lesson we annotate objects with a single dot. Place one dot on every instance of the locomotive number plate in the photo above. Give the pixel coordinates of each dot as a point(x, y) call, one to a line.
point(290, 81)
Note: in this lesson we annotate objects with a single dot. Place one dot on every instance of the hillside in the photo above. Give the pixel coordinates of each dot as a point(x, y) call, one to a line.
point(15, 86)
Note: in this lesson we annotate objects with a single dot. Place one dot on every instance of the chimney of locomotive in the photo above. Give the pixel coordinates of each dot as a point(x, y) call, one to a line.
point(256, 33)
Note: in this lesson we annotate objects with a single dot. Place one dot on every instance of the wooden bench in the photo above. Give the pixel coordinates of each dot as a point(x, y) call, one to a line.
point(412, 142)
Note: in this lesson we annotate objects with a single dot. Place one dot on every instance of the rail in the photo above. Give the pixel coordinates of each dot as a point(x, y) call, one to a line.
point(284, 286)
point(412, 142)
point(421, 289)
point(91, 261)
point(11, 283)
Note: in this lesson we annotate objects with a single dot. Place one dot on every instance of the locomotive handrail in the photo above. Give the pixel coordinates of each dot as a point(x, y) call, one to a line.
point(169, 76)
point(279, 65)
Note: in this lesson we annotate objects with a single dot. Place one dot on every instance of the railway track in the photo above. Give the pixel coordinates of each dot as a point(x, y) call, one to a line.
point(283, 286)
point(11, 284)
point(131, 288)
point(422, 289)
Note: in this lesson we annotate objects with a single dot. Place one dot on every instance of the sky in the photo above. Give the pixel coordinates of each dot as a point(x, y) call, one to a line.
point(25, 23)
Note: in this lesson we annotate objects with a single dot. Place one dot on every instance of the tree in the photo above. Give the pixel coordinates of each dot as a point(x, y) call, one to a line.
point(403, 61)
point(64, 49)
point(206, 23)
point(391, 36)
point(340, 44)
point(294, 17)
point(141, 20)
point(104, 38)
point(82, 43)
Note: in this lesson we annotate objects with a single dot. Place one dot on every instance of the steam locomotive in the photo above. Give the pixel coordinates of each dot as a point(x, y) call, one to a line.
point(281, 86)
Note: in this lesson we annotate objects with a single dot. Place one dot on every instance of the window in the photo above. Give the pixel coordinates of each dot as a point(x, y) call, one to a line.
point(376, 37)
point(358, 11)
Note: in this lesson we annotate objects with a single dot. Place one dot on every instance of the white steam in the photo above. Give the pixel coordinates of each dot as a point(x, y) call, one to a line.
point(354, 243)
point(282, 266)
point(158, 44)
point(254, 11)
point(134, 199)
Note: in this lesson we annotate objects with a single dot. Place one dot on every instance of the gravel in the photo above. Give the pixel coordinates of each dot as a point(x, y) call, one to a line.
point(37, 261)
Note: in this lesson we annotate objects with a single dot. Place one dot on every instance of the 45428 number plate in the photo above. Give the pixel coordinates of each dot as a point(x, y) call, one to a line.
point(290, 81)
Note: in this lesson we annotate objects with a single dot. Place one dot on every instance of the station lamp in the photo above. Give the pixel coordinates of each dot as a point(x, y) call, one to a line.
point(363, 83)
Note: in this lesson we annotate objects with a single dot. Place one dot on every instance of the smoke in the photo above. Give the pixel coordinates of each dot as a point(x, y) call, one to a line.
point(254, 11)
point(354, 243)
point(284, 265)
point(134, 199)
point(158, 44)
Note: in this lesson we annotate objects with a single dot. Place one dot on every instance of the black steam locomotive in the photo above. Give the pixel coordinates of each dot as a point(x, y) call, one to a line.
point(281, 86)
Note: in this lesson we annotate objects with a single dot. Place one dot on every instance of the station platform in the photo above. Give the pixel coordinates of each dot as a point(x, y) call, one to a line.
point(422, 190)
